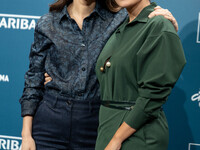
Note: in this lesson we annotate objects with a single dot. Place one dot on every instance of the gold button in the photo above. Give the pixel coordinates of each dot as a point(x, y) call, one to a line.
point(101, 69)
point(108, 64)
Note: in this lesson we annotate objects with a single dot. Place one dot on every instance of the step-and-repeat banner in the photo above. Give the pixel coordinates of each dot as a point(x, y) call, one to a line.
point(17, 22)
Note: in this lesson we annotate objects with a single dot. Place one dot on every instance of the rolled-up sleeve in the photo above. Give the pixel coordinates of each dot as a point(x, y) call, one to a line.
point(159, 64)
point(34, 77)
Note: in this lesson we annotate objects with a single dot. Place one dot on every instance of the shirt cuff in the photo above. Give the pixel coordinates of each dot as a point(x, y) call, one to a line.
point(28, 107)
point(136, 117)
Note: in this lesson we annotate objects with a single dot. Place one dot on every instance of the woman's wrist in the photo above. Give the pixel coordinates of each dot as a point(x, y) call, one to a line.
point(123, 133)
point(117, 138)
point(25, 134)
point(27, 126)
point(26, 131)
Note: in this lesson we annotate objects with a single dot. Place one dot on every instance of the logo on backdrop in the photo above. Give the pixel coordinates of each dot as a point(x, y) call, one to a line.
point(4, 78)
point(196, 97)
point(193, 146)
point(10, 142)
point(19, 22)
point(198, 30)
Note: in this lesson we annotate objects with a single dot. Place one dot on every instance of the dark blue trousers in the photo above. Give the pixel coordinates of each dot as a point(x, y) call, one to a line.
point(62, 124)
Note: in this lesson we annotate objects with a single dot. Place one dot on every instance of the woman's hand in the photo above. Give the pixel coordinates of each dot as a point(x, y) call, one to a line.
point(47, 78)
point(28, 143)
point(165, 13)
point(114, 144)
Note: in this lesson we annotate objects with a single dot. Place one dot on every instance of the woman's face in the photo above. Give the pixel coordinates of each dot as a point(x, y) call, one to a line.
point(127, 3)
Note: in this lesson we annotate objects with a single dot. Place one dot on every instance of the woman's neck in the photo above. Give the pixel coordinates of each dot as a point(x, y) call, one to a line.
point(135, 10)
point(80, 9)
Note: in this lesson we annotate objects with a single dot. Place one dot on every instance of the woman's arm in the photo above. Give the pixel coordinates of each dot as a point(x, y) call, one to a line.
point(34, 84)
point(34, 77)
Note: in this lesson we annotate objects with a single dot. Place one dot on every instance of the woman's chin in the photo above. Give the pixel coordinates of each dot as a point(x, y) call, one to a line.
point(125, 4)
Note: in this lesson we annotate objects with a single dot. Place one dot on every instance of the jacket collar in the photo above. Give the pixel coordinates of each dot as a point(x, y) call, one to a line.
point(143, 16)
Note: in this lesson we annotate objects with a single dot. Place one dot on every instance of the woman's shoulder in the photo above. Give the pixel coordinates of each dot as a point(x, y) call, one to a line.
point(46, 20)
point(159, 24)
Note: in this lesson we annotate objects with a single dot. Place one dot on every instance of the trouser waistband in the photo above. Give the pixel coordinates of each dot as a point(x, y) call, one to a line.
point(76, 104)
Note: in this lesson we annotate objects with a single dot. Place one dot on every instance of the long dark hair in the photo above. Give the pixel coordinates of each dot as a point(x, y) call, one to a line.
point(59, 4)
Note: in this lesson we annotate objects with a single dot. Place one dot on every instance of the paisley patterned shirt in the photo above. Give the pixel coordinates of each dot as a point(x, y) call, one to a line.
point(68, 55)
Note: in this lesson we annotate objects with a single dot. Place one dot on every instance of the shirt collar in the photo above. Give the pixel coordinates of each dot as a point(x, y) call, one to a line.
point(99, 9)
point(63, 13)
point(143, 16)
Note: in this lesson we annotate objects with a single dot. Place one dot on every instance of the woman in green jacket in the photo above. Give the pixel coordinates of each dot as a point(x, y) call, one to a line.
point(137, 70)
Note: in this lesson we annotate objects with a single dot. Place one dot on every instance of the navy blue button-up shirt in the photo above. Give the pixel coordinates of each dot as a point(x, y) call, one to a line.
point(68, 55)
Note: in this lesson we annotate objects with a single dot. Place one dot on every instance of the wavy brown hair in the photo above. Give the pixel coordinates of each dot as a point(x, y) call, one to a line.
point(59, 4)
point(112, 5)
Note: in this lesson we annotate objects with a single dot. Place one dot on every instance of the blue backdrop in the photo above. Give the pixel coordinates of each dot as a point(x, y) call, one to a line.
point(17, 21)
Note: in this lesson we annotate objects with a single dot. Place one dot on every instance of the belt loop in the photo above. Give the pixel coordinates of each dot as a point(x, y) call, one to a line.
point(55, 102)
point(90, 106)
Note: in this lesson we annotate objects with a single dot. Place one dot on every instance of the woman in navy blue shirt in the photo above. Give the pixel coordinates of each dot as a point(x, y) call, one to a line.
point(63, 114)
